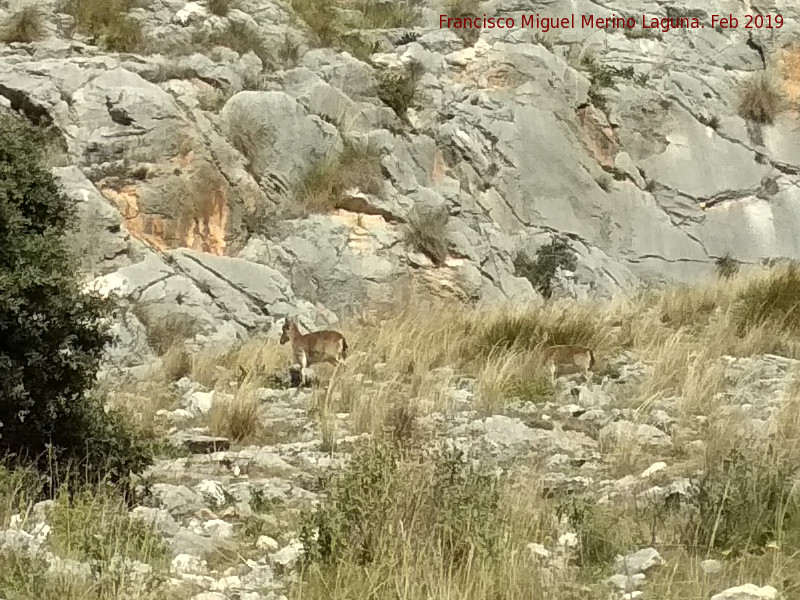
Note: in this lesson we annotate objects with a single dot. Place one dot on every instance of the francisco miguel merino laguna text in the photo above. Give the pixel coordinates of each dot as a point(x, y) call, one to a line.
point(664, 24)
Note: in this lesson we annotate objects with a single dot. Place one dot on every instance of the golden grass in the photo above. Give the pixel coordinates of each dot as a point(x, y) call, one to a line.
point(237, 418)
point(404, 366)
point(760, 99)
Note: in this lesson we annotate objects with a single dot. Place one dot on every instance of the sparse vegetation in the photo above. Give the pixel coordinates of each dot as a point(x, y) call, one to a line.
point(408, 512)
point(542, 270)
point(759, 99)
point(108, 22)
point(333, 24)
point(240, 37)
point(451, 507)
point(25, 25)
point(387, 15)
point(601, 75)
point(356, 167)
point(726, 266)
point(426, 232)
point(465, 8)
point(238, 418)
point(165, 332)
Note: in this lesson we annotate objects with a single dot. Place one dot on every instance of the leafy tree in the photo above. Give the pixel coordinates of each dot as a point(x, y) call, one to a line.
point(52, 335)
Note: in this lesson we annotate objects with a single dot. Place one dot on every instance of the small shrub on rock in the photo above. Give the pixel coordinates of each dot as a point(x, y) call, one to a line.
point(221, 8)
point(743, 501)
point(726, 266)
point(759, 100)
point(357, 167)
point(541, 271)
point(426, 232)
point(398, 90)
point(448, 505)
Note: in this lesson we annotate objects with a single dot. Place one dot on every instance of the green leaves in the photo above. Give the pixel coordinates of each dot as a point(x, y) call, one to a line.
point(52, 335)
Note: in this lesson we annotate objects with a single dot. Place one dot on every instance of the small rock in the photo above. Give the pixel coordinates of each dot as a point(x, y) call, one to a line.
point(638, 562)
point(287, 556)
point(198, 443)
point(748, 591)
point(219, 529)
point(568, 540)
point(212, 490)
point(185, 564)
point(538, 551)
point(209, 596)
point(626, 583)
point(710, 566)
point(652, 469)
point(267, 544)
point(200, 402)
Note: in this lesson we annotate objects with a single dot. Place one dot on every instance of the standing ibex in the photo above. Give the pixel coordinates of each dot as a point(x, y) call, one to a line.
point(564, 359)
point(314, 347)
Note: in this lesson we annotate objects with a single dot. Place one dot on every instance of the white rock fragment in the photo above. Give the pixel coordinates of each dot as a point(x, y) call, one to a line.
point(748, 591)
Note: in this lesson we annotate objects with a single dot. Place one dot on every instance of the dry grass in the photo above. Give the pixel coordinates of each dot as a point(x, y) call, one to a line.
point(760, 99)
point(356, 168)
point(237, 419)
point(429, 526)
point(26, 25)
point(426, 232)
point(108, 22)
point(332, 22)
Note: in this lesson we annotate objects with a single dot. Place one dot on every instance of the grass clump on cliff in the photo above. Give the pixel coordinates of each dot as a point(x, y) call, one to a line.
point(759, 99)
point(108, 22)
point(221, 8)
point(25, 25)
point(357, 167)
point(426, 232)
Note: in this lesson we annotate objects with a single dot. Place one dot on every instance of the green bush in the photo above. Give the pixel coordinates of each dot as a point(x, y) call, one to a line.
point(51, 333)
point(349, 522)
point(398, 89)
point(448, 506)
point(743, 502)
point(549, 258)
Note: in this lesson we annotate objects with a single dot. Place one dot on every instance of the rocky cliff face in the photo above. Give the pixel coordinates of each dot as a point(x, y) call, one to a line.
point(213, 158)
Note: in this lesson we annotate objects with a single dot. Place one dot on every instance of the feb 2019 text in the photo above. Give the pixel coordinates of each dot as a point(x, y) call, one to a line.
point(545, 24)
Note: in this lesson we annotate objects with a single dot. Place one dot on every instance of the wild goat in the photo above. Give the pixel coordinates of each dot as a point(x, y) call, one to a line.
point(314, 347)
point(564, 359)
